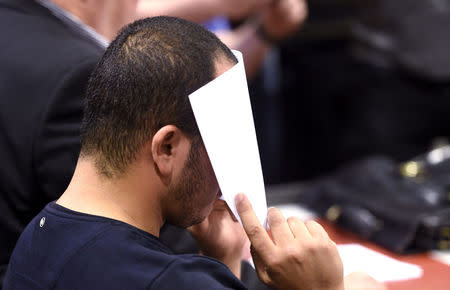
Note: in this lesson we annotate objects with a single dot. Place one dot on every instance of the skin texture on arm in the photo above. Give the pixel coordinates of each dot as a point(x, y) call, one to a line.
point(106, 17)
point(278, 18)
point(198, 10)
point(253, 48)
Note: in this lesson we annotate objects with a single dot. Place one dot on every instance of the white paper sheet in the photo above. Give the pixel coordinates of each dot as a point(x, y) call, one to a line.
point(224, 116)
point(442, 256)
point(381, 267)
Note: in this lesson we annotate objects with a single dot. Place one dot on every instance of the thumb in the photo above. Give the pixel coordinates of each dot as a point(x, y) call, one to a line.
point(257, 235)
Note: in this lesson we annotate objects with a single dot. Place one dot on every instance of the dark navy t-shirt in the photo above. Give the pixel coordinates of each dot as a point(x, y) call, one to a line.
point(64, 249)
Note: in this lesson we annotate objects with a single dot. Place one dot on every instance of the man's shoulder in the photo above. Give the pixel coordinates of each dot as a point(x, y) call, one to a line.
point(126, 257)
point(136, 265)
point(69, 250)
point(196, 272)
point(29, 29)
point(80, 251)
point(39, 52)
point(120, 257)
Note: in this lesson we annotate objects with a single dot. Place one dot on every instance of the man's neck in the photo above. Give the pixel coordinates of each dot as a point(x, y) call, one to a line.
point(105, 17)
point(76, 8)
point(131, 199)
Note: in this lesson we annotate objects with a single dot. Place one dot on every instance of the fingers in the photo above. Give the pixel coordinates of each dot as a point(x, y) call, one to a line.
point(220, 213)
point(281, 233)
point(295, 11)
point(260, 266)
point(298, 228)
point(255, 232)
point(220, 205)
point(198, 229)
point(310, 229)
point(230, 212)
point(316, 230)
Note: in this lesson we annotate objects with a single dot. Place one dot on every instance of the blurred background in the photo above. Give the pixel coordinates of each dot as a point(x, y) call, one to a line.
point(360, 78)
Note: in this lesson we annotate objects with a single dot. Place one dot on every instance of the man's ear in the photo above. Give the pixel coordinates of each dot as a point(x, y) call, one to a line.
point(169, 149)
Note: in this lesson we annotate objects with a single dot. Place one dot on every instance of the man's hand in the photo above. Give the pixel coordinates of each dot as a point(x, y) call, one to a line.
point(362, 281)
point(296, 256)
point(281, 18)
point(220, 236)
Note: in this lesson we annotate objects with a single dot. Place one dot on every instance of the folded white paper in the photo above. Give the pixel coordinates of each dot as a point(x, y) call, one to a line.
point(442, 256)
point(381, 267)
point(224, 117)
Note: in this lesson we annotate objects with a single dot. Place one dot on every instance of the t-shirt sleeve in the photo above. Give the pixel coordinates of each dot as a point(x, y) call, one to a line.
point(196, 272)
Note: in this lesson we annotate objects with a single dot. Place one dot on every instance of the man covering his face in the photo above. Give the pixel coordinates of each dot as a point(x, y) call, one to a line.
point(142, 164)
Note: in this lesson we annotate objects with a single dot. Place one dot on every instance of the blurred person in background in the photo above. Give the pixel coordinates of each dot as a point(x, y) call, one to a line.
point(262, 22)
point(256, 28)
point(403, 52)
point(365, 78)
point(49, 49)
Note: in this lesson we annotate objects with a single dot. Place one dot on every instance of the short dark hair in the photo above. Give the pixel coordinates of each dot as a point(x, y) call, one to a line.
point(142, 83)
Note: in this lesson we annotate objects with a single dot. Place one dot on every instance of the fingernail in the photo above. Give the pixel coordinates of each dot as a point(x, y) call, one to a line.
point(238, 198)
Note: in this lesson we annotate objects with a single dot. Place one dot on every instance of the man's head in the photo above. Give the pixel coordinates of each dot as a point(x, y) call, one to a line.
point(137, 98)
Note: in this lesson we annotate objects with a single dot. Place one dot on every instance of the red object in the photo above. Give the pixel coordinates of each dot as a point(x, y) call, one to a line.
point(436, 275)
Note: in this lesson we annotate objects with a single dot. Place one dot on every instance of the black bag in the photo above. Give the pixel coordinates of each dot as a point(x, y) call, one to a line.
point(402, 207)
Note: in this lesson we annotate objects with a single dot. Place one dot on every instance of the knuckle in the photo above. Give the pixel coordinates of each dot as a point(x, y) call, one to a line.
point(289, 255)
point(293, 254)
point(275, 216)
point(323, 246)
point(311, 223)
point(274, 264)
point(315, 228)
point(274, 260)
point(243, 208)
point(254, 231)
point(310, 246)
point(292, 220)
point(318, 246)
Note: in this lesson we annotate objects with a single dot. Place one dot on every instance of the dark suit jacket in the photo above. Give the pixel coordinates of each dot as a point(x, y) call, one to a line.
point(44, 68)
